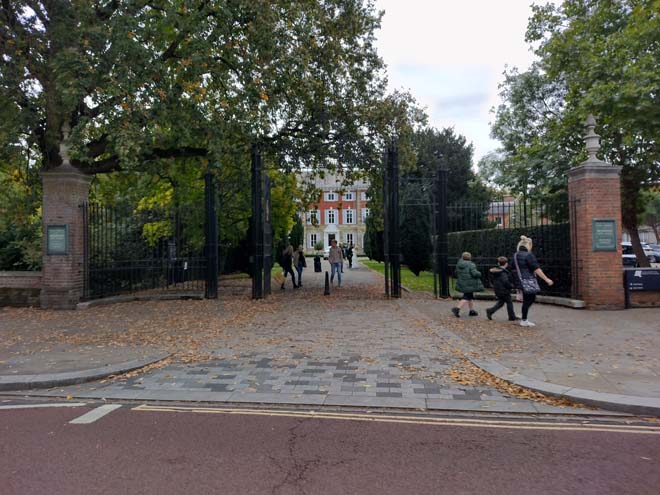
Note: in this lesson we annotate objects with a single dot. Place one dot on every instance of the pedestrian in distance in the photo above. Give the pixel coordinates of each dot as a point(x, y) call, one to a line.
point(468, 281)
point(335, 258)
point(349, 255)
point(287, 265)
point(299, 263)
point(527, 271)
point(343, 257)
point(502, 284)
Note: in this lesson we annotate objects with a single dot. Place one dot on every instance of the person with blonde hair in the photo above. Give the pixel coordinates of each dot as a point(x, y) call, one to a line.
point(468, 281)
point(527, 270)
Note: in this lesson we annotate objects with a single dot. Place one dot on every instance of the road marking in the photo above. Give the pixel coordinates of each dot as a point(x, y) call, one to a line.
point(30, 406)
point(473, 423)
point(94, 414)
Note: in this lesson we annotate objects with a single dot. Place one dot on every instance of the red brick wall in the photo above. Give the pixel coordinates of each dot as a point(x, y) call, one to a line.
point(595, 192)
point(63, 191)
point(20, 288)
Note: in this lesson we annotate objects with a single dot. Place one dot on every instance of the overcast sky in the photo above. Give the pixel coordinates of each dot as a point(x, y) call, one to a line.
point(451, 54)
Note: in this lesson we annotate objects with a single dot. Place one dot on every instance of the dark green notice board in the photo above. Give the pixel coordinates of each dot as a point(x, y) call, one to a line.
point(603, 232)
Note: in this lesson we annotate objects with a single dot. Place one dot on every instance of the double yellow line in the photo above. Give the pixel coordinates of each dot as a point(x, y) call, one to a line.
point(430, 421)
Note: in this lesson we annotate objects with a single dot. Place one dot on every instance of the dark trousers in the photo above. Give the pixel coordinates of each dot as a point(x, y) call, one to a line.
point(288, 269)
point(501, 301)
point(528, 300)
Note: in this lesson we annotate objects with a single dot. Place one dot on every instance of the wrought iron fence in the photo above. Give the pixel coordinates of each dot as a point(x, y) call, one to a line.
point(129, 249)
point(490, 230)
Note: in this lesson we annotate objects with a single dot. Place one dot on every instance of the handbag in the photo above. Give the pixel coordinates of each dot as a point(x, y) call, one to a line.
point(528, 285)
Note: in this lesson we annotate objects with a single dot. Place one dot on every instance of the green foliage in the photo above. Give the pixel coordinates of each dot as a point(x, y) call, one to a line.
point(20, 216)
point(594, 57)
point(318, 246)
point(127, 83)
point(373, 239)
point(415, 221)
point(297, 234)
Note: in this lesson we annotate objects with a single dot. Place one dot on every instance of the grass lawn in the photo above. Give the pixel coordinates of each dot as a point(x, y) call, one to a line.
point(423, 283)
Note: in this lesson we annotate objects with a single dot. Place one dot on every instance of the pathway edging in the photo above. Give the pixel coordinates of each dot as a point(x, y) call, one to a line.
point(631, 404)
point(50, 380)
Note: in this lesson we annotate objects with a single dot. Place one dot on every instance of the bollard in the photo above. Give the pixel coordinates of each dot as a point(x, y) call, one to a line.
point(326, 292)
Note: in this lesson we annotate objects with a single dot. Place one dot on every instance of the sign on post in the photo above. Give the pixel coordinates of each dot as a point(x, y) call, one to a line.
point(57, 240)
point(603, 231)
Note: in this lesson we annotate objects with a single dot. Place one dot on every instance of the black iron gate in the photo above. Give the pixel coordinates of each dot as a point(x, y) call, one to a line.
point(487, 230)
point(261, 238)
point(138, 249)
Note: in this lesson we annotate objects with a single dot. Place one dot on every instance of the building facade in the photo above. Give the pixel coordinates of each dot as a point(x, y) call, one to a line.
point(339, 213)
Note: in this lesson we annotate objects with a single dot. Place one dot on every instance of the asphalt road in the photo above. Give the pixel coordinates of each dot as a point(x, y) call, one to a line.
point(181, 451)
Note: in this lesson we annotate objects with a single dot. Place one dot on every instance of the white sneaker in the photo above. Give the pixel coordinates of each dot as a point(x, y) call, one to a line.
point(527, 323)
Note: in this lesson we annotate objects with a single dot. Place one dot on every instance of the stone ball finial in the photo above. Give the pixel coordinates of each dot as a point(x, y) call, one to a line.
point(592, 139)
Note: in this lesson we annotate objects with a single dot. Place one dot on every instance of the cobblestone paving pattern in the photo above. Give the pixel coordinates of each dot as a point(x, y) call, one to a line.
point(350, 348)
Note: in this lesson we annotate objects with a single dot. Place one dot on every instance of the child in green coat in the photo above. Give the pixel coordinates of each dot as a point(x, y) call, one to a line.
point(468, 281)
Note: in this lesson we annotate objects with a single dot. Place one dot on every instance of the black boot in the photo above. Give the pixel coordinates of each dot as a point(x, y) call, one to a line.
point(473, 313)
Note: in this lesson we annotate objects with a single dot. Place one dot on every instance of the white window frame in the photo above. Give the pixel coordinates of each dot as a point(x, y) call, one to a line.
point(313, 239)
point(330, 196)
point(350, 211)
point(311, 214)
point(334, 217)
point(348, 196)
point(363, 196)
point(348, 238)
point(365, 214)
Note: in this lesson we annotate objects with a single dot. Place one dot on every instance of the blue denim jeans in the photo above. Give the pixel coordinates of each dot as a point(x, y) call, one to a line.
point(335, 267)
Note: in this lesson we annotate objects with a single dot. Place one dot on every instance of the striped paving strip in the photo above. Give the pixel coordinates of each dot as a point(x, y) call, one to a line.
point(475, 423)
point(95, 414)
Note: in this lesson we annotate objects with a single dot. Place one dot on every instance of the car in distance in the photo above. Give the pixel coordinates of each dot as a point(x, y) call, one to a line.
point(628, 255)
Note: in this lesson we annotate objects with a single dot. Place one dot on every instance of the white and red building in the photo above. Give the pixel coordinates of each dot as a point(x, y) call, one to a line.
point(339, 213)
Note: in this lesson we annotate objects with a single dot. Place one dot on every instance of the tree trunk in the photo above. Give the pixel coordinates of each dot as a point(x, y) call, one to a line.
point(642, 260)
point(630, 190)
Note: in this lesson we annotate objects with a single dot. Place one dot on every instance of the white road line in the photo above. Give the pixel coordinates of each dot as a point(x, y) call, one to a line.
point(94, 414)
point(30, 406)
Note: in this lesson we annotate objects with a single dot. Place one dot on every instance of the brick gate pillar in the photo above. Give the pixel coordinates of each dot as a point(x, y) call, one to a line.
point(64, 188)
point(594, 191)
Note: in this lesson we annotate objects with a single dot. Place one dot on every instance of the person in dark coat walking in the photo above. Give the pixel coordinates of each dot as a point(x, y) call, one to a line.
point(299, 263)
point(468, 281)
point(503, 284)
point(287, 265)
point(349, 255)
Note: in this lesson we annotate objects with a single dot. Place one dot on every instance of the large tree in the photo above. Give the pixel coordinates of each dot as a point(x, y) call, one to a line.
point(598, 57)
point(123, 83)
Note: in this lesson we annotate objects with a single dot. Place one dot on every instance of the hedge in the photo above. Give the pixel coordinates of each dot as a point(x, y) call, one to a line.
point(552, 247)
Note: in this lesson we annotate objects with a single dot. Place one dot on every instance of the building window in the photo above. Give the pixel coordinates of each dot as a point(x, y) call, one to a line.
point(365, 214)
point(349, 239)
point(363, 196)
point(330, 196)
point(330, 217)
point(312, 241)
point(498, 220)
point(313, 217)
point(349, 217)
point(348, 196)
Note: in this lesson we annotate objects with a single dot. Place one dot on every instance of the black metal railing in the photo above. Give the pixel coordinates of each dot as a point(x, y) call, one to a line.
point(493, 229)
point(130, 249)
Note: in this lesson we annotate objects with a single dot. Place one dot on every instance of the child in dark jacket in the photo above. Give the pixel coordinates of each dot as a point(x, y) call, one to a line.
point(502, 283)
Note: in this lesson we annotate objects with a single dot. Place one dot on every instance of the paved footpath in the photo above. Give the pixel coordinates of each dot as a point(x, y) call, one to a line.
point(352, 348)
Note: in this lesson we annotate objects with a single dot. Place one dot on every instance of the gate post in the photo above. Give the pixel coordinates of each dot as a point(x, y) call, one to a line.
point(394, 234)
point(594, 191)
point(63, 242)
point(441, 228)
point(257, 224)
point(211, 231)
